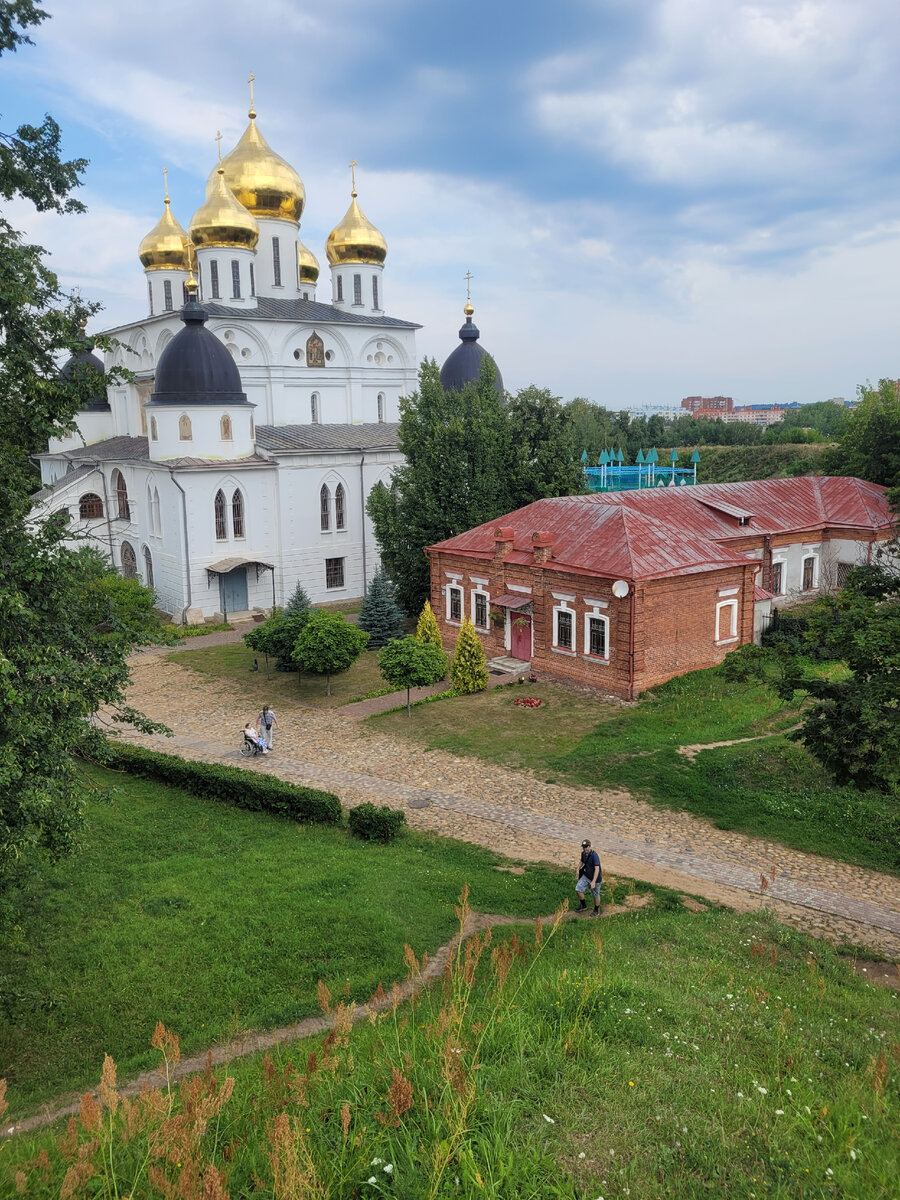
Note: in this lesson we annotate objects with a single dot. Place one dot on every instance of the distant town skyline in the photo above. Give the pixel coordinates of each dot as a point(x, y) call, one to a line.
point(655, 200)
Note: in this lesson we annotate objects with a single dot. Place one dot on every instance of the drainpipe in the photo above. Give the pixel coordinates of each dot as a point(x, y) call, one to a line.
point(362, 510)
point(631, 644)
point(187, 545)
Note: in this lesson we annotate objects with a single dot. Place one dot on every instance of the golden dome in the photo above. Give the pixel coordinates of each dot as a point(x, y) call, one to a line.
point(260, 179)
point(164, 248)
point(308, 264)
point(221, 221)
point(355, 239)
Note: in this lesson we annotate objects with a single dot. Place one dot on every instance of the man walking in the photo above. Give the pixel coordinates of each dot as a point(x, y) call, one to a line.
point(589, 876)
point(265, 721)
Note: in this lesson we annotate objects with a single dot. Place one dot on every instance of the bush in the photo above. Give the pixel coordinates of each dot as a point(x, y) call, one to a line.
point(376, 823)
point(232, 785)
point(468, 670)
point(790, 633)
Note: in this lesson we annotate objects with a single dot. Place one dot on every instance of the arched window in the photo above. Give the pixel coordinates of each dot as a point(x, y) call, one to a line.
point(157, 522)
point(221, 516)
point(148, 567)
point(184, 427)
point(225, 426)
point(380, 407)
point(90, 506)
point(121, 496)
point(167, 295)
point(375, 291)
point(314, 408)
point(325, 508)
point(237, 513)
point(129, 561)
point(150, 510)
point(339, 518)
point(154, 430)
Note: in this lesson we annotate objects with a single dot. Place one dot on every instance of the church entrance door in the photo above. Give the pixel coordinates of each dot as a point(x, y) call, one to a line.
point(233, 591)
point(520, 642)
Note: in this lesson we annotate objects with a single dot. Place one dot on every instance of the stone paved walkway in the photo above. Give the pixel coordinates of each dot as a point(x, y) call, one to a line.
point(518, 815)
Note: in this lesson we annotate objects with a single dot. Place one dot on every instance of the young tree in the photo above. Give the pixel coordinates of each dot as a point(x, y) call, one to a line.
point(328, 644)
point(407, 662)
point(299, 602)
point(277, 636)
point(427, 628)
point(381, 616)
point(468, 670)
point(543, 439)
point(870, 446)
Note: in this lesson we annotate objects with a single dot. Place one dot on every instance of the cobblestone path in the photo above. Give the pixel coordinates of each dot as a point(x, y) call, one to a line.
point(517, 814)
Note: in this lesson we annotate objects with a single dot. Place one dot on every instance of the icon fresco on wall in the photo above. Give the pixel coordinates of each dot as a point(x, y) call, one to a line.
point(315, 351)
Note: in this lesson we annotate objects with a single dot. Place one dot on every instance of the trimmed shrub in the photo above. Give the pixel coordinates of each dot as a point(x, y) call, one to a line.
point(376, 823)
point(468, 671)
point(427, 629)
point(240, 788)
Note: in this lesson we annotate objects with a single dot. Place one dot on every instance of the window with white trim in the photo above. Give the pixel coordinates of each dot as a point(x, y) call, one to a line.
point(563, 629)
point(381, 408)
point(596, 636)
point(235, 279)
point(340, 287)
point(324, 508)
point(314, 408)
point(167, 295)
point(148, 567)
point(810, 573)
point(221, 516)
point(480, 609)
point(778, 577)
point(237, 513)
point(726, 620)
point(454, 603)
point(252, 281)
point(276, 262)
point(155, 519)
point(150, 295)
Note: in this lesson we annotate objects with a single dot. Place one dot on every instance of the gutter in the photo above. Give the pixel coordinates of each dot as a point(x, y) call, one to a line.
point(631, 642)
point(187, 544)
point(362, 512)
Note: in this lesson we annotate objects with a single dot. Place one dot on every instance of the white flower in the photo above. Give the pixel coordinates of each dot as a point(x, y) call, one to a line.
point(740, 1095)
point(549, 1120)
point(388, 1168)
point(789, 1092)
point(763, 1091)
point(853, 1155)
point(376, 1162)
point(828, 1171)
point(372, 1179)
point(581, 1155)
point(779, 1112)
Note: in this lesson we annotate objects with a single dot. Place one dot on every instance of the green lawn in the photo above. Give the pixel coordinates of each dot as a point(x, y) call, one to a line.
point(657, 1055)
point(215, 920)
point(771, 788)
point(235, 663)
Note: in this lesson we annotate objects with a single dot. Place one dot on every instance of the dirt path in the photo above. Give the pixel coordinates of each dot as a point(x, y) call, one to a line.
point(691, 752)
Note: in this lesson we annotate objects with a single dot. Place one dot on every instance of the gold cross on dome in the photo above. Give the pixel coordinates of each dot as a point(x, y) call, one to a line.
point(353, 165)
point(219, 142)
point(252, 113)
point(468, 278)
point(166, 182)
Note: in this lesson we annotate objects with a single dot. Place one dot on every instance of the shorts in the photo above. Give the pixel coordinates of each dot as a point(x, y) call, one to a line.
point(584, 884)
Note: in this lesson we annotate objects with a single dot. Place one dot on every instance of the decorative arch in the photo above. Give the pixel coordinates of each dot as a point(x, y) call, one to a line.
point(162, 341)
point(121, 490)
point(90, 507)
point(220, 512)
point(247, 335)
point(128, 559)
point(185, 432)
point(148, 567)
point(315, 350)
point(237, 513)
point(225, 428)
point(386, 346)
point(296, 337)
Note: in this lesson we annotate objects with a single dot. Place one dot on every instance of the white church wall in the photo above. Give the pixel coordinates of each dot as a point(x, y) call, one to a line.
point(198, 431)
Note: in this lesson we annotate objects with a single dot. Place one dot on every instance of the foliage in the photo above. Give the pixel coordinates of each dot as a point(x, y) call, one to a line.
point(298, 601)
point(427, 628)
point(380, 616)
point(545, 458)
point(408, 663)
point(185, 633)
point(826, 417)
point(491, 1077)
point(276, 637)
point(376, 823)
point(792, 631)
point(328, 643)
point(734, 464)
point(870, 445)
point(468, 670)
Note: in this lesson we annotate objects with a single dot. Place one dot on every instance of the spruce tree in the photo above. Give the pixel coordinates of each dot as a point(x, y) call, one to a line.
point(468, 671)
point(427, 629)
point(381, 616)
point(299, 603)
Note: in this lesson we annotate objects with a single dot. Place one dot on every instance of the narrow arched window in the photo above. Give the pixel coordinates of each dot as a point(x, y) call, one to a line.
point(167, 295)
point(121, 496)
point(276, 262)
point(150, 510)
point(340, 287)
point(381, 407)
point(129, 561)
point(225, 426)
point(221, 516)
point(156, 521)
point(314, 408)
point(235, 279)
point(154, 430)
point(375, 291)
point(90, 506)
point(184, 427)
point(148, 567)
point(339, 517)
point(325, 508)
point(237, 513)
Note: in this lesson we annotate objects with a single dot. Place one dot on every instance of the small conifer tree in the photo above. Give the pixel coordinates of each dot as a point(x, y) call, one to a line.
point(427, 629)
point(468, 671)
point(299, 602)
point(381, 616)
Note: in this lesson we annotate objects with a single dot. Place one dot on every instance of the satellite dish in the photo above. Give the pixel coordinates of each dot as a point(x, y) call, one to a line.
point(620, 589)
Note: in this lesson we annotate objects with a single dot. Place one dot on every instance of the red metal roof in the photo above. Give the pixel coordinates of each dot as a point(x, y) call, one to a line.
point(677, 531)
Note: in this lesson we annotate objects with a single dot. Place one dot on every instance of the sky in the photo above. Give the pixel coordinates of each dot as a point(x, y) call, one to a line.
point(655, 198)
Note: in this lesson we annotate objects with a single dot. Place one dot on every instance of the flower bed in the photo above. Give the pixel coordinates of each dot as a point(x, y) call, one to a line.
point(528, 702)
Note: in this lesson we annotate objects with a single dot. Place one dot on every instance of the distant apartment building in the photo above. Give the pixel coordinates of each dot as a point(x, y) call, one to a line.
point(715, 404)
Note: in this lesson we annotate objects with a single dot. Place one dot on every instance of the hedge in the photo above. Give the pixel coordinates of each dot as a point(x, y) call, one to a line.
point(376, 823)
point(240, 788)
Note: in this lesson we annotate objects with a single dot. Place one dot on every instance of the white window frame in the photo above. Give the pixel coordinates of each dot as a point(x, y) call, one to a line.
point(556, 648)
point(815, 574)
point(595, 615)
point(482, 591)
point(732, 635)
point(451, 588)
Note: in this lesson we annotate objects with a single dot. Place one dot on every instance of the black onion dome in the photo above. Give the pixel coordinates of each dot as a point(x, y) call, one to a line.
point(82, 362)
point(464, 364)
point(195, 368)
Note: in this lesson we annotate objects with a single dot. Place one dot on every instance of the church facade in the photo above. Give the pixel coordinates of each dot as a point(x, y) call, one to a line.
point(224, 501)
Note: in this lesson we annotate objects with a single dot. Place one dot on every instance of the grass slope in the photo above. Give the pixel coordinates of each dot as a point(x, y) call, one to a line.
point(215, 920)
point(657, 1055)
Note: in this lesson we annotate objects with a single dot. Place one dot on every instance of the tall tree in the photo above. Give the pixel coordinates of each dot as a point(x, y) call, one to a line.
point(870, 446)
point(381, 616)
point(542, 432)
point(328, 644)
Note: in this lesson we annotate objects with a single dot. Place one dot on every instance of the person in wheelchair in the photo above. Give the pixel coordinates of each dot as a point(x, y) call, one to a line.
point(252, 739)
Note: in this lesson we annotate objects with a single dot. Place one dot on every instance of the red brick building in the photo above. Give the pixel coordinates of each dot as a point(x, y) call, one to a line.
point(626, 590)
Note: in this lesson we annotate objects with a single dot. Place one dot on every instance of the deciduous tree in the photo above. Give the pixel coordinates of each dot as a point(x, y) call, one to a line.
point(328, 644)
point(408, 663)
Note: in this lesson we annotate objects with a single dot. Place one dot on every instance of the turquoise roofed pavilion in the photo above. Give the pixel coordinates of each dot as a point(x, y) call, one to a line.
point(613, 474)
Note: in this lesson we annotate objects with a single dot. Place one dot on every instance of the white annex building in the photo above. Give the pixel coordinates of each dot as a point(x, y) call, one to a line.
point(225, 480)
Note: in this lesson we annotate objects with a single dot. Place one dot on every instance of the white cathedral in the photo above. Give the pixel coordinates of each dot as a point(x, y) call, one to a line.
point(239, 460)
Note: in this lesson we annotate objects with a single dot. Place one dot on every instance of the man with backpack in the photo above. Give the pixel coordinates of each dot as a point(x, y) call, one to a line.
point(589, 876)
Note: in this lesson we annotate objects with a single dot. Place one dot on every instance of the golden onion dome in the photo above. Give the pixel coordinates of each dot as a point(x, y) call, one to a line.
point(221, 221)
point(260, 179)
point(355, 239)
point(165, 246)
point(307, 263)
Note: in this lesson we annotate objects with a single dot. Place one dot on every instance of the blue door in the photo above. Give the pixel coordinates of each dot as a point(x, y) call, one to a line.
point(233, 590)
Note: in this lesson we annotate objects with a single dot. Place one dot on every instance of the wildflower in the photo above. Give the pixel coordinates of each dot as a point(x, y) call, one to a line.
point(779, 1112)
point(549, 1120)
point(828, 1171)
point(388, 1168)
point(631, 1083)
point(371, 1179)
point(581, 1154)
point(740, 1095)
point(853, 1155)
point(808, 1109)
point(376, 1162)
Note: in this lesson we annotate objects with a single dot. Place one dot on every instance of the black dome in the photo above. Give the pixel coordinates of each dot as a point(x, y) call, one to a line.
point(83, 361)
point(464, 364)
point(195, 368)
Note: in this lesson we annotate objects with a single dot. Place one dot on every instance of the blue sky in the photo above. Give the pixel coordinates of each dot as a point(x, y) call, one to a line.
point(656, 197)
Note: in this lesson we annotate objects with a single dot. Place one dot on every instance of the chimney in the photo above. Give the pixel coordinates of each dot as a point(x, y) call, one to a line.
point(504, 539)
point(542, 546)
